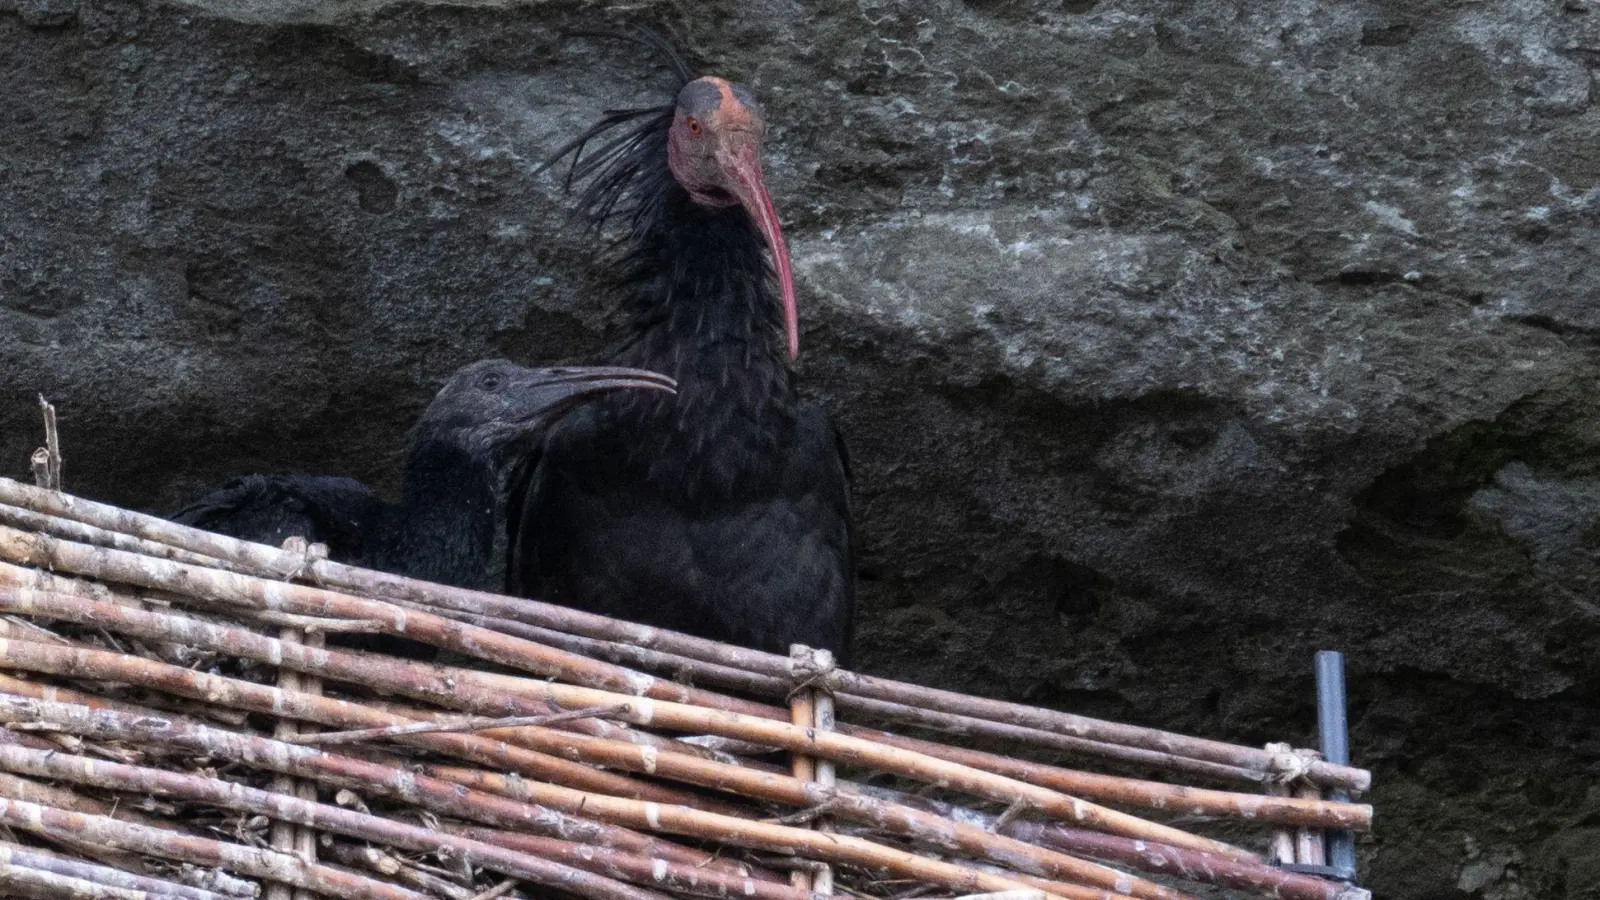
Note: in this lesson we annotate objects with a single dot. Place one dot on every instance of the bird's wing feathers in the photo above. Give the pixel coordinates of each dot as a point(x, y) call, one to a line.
point(763, 569)
point(267, 509)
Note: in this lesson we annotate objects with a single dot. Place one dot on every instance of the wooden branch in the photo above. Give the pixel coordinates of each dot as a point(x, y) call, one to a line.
point(802, 712)
point(68, 529)
point(36, 884)
point(236, 641)
point(233, 796)
point(1160, 859)
point(1082, 784)
point(727, 677)
point(433, 683)
point(282, 834)
point(421, 789)
point(518, 652)
point(441, 727)
point(848, 685)
point(249, 861)
point(387, 865)
point(1308, 844)
point(368, 777)
point(637, 869)
point(779, 839)
point(227, 795)
point(46, 460)
point(813, 709)
point(456, 686)
point(259, 698)
point(61, 798)
point(849, 750)
point(155, 888)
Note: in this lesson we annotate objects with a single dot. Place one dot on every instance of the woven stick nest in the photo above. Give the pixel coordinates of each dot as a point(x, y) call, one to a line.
point(179, 724)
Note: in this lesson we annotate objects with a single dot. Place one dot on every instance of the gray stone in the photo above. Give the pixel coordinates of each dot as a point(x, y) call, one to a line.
point(1173, 341)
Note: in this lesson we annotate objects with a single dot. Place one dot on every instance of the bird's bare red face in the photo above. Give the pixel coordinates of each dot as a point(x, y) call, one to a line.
point(714, 150)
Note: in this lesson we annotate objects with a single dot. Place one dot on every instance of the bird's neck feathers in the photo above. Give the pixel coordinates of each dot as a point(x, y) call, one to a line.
point(443, 528)
point(699, 296)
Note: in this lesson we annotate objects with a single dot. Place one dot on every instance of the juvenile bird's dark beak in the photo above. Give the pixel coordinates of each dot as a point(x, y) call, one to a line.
point(555, 392)
point(740, 159)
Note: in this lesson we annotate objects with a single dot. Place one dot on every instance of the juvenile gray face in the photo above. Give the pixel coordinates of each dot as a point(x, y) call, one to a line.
point(491, 406)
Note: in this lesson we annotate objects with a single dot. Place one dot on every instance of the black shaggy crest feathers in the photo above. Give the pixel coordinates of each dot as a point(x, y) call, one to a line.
point(620, 173)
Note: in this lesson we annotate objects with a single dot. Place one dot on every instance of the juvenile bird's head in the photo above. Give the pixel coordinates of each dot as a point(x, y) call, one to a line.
point(492, 407)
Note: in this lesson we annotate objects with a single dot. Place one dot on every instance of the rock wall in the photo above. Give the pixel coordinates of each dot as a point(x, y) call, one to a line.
point(1173, 340)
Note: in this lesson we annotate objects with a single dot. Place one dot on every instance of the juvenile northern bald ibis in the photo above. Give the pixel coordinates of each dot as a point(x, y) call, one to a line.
point(722, 511)
point(452, 500)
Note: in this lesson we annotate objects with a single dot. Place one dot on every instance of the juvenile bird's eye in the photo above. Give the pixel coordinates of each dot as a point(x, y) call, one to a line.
point(693, 124)
point(490, 381)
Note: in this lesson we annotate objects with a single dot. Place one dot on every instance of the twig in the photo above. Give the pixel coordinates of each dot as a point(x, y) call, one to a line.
point(167, 844)
point(229, 795)
point(314, 625)
point(1160, 859)
point(18, 855)
point(46, 462)
point(675, 877)
point(499, 890)
point(36, 884)
point(390, 867)
point(476, 724)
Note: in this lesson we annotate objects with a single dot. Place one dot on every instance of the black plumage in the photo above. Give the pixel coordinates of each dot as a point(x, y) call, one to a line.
point(722, 511)
point(443, 528)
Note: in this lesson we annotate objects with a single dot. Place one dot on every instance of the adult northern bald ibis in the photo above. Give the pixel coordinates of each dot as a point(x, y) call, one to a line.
point(722, 511)
point(452, 498)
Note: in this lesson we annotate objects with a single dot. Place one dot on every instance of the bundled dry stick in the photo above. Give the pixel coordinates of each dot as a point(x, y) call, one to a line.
point(1160, 859)
point(250, 861)
point(750, 722)
point(38, 884)
point(370, 670)
point(18, 855)
point(638, 869)
point(362, 735)
point(588, 672)
point(694, 823)
point(227, 795)
point(388, 674)
point(751, 783)
point(847, 684)
point(113, 667)
point(167, 575)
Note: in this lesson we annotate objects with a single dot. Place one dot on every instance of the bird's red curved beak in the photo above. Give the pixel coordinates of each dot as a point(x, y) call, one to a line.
point(742, 163)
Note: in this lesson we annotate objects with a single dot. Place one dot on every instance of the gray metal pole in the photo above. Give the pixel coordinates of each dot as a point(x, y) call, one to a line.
point(1335, 737)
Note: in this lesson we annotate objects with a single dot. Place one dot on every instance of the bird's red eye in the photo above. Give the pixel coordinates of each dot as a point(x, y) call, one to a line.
point(693, 124)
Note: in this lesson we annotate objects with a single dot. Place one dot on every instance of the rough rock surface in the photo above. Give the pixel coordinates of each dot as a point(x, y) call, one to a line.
point(1173, 340)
